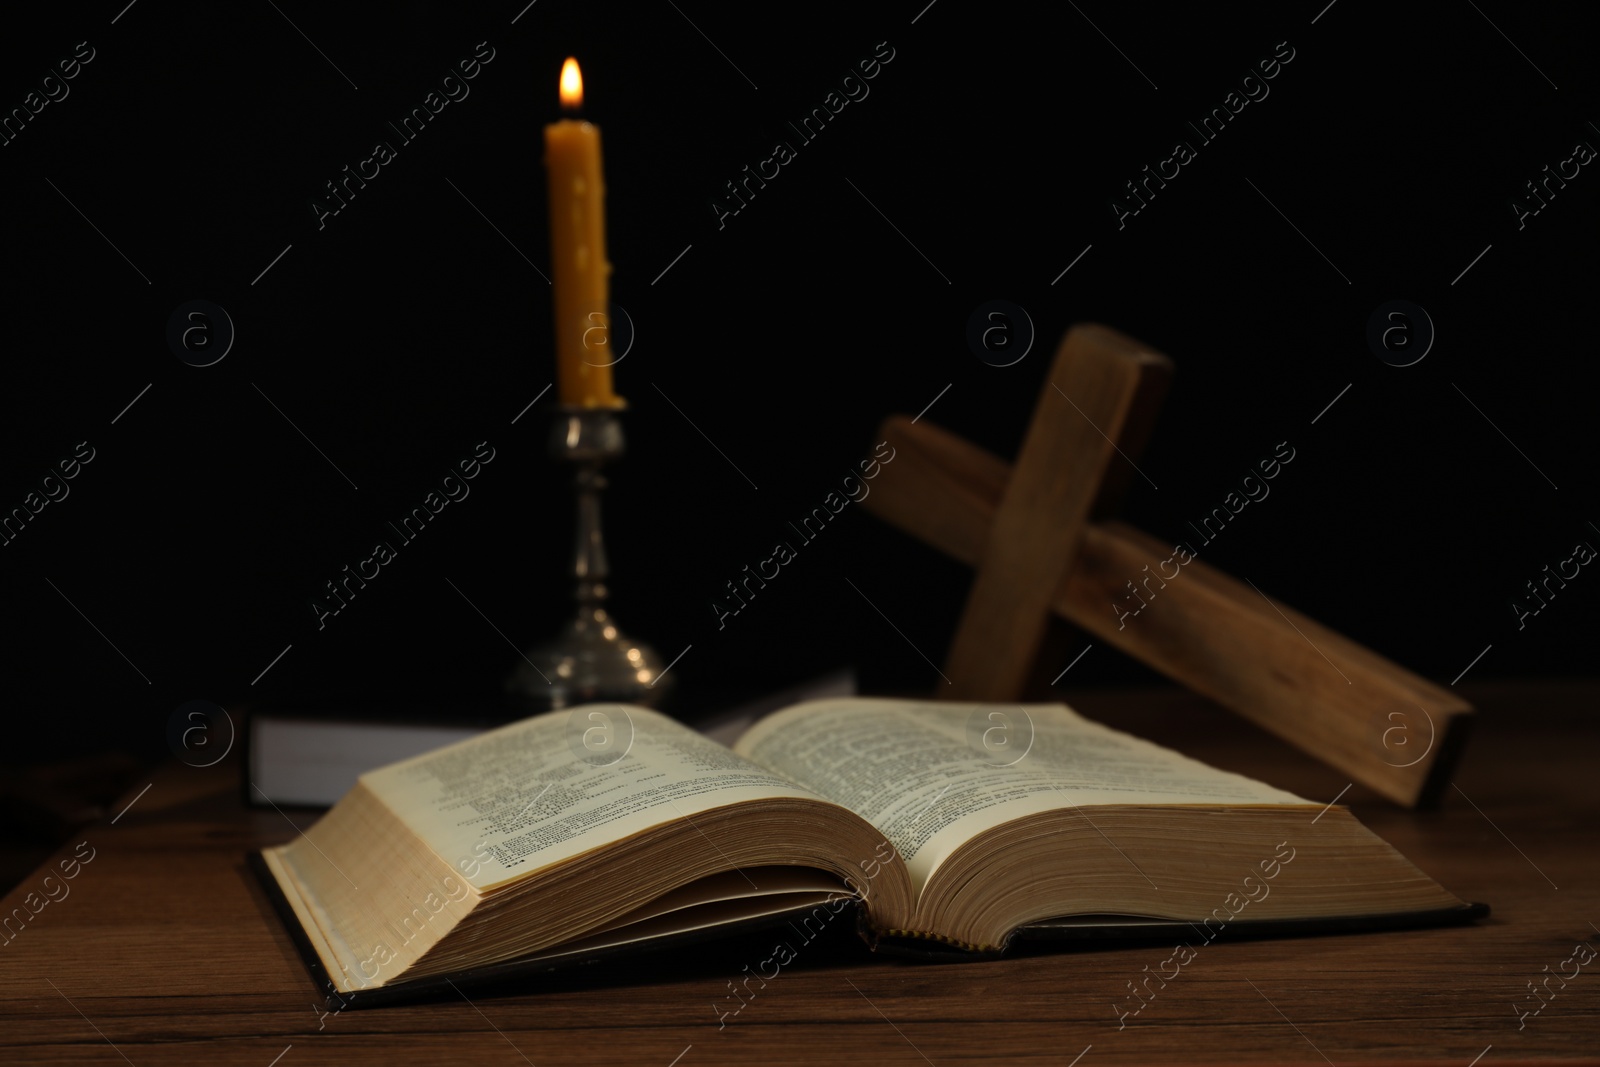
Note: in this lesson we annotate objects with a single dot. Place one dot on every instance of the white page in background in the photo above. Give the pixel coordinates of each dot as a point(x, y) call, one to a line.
point(520, 797)
point(306, 761)
point(912, 770)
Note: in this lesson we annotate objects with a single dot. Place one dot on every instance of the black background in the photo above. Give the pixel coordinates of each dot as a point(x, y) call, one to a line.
point(407, 329)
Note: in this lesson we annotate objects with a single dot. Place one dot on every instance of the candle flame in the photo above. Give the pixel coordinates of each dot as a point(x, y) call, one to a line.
point(571, 85)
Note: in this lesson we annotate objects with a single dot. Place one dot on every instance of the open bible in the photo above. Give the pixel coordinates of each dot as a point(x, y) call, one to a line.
point(949, 830)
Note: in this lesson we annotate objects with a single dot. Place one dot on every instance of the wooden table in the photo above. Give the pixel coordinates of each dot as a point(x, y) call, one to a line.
point(164, 951)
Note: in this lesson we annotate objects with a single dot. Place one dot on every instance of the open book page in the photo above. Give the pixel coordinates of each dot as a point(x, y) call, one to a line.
point(552, 787)
point(930, 775)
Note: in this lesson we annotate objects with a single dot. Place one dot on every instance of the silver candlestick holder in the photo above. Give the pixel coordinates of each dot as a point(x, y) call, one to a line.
point(590, 660)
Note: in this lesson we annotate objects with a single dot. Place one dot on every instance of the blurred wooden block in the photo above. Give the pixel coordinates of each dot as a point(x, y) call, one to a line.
point(1094, 384)
point(1028, 531)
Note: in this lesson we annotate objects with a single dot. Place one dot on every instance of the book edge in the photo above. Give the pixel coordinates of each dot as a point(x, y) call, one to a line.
point(1060, 933)
point(422, 988)
point(1066, 931)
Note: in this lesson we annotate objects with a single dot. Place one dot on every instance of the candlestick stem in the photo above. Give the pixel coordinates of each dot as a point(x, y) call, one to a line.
point(589, 553)
point(590, 660)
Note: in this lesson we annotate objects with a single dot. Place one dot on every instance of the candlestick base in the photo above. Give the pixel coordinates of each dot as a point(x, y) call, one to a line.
point(590, 660)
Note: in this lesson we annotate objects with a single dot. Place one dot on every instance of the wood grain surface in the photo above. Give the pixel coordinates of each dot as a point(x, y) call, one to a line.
point(164, 952)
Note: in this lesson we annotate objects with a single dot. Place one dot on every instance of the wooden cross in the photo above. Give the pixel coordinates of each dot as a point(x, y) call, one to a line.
point(1039, 535)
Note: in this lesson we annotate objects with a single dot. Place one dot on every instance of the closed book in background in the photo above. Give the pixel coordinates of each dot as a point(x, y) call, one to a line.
point(310, 754)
